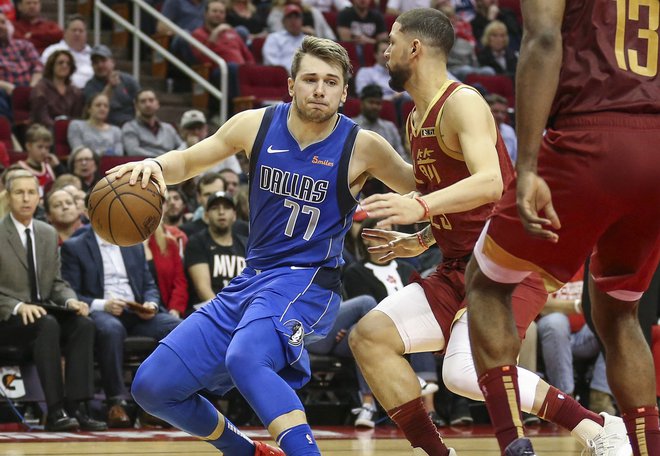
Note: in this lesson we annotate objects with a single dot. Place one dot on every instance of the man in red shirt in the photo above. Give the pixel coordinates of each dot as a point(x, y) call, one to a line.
point(31, 26)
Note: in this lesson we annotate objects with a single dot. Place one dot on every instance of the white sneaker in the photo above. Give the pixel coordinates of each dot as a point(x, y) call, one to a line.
point(427, 388)
point(611, 441)
point(365, 416)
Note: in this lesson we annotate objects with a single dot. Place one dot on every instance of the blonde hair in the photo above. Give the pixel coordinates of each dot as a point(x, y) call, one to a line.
point(494, 26)
point(329, 51)
point(38, 132)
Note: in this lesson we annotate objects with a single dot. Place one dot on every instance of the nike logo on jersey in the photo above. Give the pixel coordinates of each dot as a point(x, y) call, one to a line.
point(276, 151)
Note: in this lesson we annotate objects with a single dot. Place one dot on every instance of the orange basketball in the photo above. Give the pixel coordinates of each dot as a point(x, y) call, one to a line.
point(124, 214)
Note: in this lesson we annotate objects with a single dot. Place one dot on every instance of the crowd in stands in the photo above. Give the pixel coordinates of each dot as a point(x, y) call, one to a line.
point(80, 102)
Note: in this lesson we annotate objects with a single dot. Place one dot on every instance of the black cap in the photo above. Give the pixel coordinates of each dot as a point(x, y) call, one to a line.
point(218, 196)
point(371, 91)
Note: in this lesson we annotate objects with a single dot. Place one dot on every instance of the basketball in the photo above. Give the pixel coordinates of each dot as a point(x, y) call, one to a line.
point(124, 214)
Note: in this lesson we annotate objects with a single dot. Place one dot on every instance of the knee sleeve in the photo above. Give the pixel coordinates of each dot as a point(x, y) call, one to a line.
point(253, 358)
point(460, 376)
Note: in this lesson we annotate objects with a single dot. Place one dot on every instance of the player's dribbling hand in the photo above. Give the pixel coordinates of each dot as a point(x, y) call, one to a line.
point(393, 209)
point(533, 198)
point(392, 244)
point(146, 168)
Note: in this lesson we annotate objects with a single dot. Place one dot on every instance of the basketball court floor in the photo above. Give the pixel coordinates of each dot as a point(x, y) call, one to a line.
point(333, 441)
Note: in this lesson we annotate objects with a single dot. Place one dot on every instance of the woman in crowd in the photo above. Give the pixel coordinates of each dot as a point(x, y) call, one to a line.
point(54, 95)
point(95, 132)
point(495, 52)
point(84, 163)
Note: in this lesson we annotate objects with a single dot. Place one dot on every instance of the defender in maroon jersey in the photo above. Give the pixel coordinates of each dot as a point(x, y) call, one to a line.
point(588, 72)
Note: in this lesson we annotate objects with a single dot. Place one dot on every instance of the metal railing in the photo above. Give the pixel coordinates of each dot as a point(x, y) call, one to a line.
point(138, 35)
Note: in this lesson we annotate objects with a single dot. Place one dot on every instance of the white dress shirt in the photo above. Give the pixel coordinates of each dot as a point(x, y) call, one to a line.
point(115, 277)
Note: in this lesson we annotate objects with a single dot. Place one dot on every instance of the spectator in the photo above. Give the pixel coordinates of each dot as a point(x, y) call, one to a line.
point(313, 21)
point(243, 15)
point(215, 255)
point(19, 65)
point(371, 105)
point(232, 181)
point(465, 9)
point(106, 277)
point(564, 336)
point(326, 6)
point(376, 74)
point(164, 259)
point(222, 39)
point(84, 163)
point(462, 59)
point(396, 7)
point(187, 14)
point(62, 213)
point(54, 95)
point(495, 52)
point(193, 128)
point(371, 276)
point(121, 88)
point(208, 184)
point(32, 26)
point(8, 10)
point(40, 162)
point(146, 135)
point(95, 132)
point(279, 47)
point(361, 24)
point(499, 106)
point(175, 210)
point(30, 278)
point(75, 41)
point(488, 11)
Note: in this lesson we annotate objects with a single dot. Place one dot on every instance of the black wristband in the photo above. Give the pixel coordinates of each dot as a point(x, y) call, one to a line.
point(156, 162)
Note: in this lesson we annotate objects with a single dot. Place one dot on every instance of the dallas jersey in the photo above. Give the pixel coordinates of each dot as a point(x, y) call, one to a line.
point(300, 201)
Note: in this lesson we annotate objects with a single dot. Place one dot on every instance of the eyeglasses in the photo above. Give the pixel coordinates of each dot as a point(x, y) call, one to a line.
point(83, 159)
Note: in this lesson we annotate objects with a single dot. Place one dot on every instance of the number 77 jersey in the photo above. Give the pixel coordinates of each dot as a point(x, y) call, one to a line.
point(610, 58)
point(300, 201)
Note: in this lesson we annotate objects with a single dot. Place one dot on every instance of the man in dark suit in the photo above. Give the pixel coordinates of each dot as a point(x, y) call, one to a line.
point(29, 280)
point(108, 278)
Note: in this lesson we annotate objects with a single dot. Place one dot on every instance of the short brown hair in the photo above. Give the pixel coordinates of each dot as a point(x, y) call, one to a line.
point(326, 50)
point(38, 132)
point(19, 174)
point(430, 26)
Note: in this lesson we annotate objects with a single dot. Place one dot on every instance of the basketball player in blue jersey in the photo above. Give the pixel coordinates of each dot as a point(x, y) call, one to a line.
point(307, 165)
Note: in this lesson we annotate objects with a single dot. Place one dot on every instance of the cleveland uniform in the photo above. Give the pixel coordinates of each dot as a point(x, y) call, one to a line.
point(300, 210)
point(436, 166)
point(599, 157)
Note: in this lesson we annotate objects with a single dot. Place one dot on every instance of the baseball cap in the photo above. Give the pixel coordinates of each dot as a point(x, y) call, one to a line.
point(371, 91)
point(220, 196)
point(292, 9)
point(102, 50)
point(192, 117)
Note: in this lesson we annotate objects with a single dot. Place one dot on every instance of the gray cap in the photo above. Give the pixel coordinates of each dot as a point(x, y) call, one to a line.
point(220, 196)
point(102, 50)
point(192, 117)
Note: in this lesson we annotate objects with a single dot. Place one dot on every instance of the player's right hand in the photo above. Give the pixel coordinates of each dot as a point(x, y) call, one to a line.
point(392, 244)
point(147, 168)
point(533, 197)
point(114, 306)
point(30, 313)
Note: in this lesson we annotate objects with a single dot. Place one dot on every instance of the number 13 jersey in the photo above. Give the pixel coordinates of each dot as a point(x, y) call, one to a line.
point(300, 201)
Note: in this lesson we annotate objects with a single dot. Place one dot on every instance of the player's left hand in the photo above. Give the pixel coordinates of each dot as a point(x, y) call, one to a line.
point(147, 169)
point(533, 198)
point(393, 209)
point(393, 244)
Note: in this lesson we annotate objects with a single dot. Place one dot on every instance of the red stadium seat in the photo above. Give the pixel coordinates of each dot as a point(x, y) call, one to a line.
point(20, 104)
point(388, 112)
point(352, 109)
point(264, 84)
point(390, 19)
point(513, 5)
point(256, 47)
point(61, 128)
point(5, 134)
point(405, 111)
point(4, 156)
point(110, 161)
point(16, 156)
point(331, 19)
point(353, 55)
point(501, 85)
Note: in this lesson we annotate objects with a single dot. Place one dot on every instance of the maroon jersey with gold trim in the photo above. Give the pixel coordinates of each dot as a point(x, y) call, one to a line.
point(436, 166)
point(610, 57)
